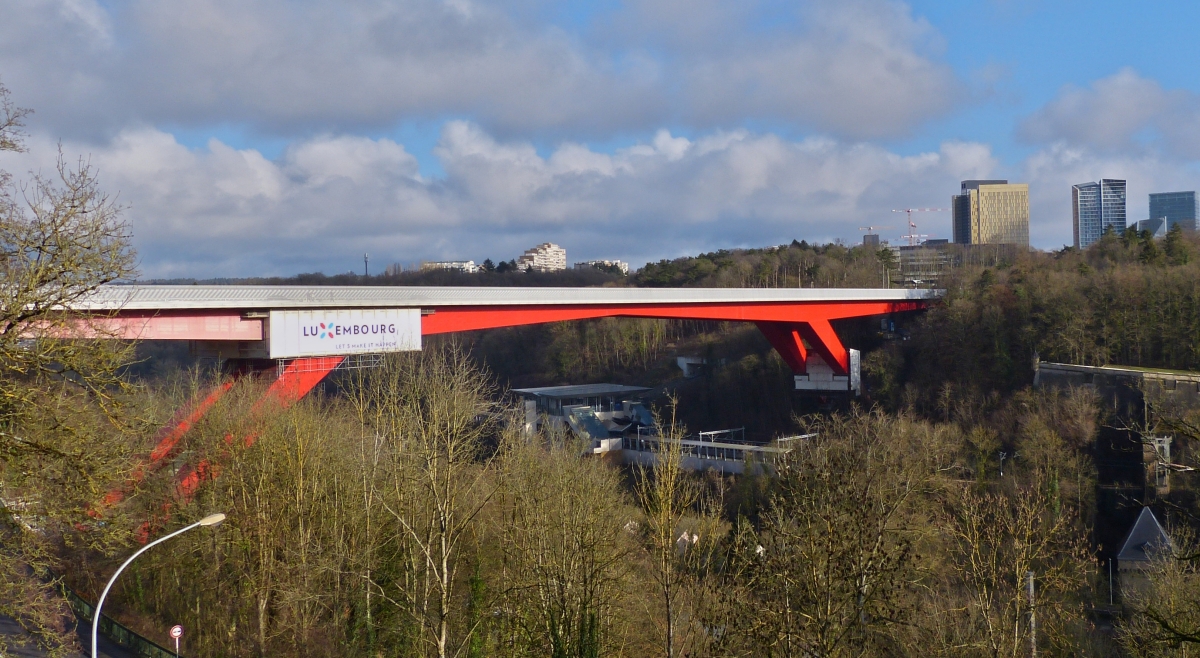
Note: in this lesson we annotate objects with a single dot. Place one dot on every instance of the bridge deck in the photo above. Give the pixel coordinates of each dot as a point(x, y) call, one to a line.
point(183, 297)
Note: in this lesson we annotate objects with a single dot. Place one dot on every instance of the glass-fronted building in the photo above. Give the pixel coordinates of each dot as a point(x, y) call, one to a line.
point(1157, 227)
point(991, 212)
point(1095, 208)
point(1175, 208)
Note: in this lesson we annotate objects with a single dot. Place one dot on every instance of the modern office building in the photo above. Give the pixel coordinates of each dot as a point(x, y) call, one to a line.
point(923, 264)
point(1095, 208)
point(991, 212)
point(546, 257)
point(1175, 208)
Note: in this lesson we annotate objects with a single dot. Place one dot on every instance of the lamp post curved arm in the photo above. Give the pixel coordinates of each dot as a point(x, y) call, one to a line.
point(211, 520)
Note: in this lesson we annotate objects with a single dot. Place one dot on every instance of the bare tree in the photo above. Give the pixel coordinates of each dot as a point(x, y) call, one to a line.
point(667, 495)
point(833, 570)
point(564, 548)
point(277, 577)
point(11, 122)
point(432, 409)
point(996, 539)
point(65, 432)
point(1164, 619)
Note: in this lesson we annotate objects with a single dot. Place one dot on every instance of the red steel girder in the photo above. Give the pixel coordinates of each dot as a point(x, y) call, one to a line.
point(786, 340)
point(295, 381)
point(447, 319)
point(168, 440)
point(783, 323)
point(787, 325)
point(822, 337)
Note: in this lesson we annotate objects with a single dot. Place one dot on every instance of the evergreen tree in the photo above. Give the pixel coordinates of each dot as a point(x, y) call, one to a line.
point(1176, 246)
point(1151, 254)
point(1129, 236)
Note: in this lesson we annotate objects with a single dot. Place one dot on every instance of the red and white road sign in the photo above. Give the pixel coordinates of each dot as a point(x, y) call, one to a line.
point(176, 631)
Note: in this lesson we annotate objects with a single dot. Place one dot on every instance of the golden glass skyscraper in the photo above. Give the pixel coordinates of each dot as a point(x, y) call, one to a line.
point(991, 212)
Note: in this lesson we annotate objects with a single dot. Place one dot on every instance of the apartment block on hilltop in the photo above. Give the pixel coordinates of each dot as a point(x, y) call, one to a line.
point(546, 257)
point(991, 212)
point(1096, 208)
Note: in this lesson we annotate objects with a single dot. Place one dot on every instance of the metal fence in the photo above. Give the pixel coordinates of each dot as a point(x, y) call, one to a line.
point(114, 631)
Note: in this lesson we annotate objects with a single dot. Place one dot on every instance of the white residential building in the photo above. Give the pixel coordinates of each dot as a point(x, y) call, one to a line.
point(546, 257)
point(604, 264)
point(467, 266)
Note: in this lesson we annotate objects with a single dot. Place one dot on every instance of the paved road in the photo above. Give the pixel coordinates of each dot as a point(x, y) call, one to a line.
point(8, 626)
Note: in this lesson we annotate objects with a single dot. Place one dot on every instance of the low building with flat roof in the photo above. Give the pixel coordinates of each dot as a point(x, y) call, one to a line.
point(467, 266)
point(597, 413)
point(600, 397)
point(615, 423)
point(602, 264)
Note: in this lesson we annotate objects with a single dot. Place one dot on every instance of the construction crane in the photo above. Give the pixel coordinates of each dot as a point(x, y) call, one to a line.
point(912, 226)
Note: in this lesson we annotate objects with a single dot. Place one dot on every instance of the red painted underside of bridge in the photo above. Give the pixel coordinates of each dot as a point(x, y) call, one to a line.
point(787, 325)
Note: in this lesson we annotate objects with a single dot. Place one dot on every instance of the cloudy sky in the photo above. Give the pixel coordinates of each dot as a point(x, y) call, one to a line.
point(256, 137)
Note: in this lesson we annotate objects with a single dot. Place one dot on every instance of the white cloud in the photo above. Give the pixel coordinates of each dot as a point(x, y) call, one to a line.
point(353, 159)
point(1122, 113)
point(220, 211)
point(857, 68)
point(283, 66)
point(854, 68)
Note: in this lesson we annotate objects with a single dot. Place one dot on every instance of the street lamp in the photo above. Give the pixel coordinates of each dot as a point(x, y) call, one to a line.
point(210, 520)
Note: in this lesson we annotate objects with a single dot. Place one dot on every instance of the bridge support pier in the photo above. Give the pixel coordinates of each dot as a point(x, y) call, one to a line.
point(793, 339)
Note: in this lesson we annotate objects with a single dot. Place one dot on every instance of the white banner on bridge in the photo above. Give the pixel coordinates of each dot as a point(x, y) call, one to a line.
point(337, 332)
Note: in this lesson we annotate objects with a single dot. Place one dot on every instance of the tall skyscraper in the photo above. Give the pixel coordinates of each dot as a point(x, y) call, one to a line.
point(1175, 207)
point(1095, 208)
point(991, 212)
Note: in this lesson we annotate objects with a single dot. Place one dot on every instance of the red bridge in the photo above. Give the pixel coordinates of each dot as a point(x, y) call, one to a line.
point(255, 323)
point(235, 320)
